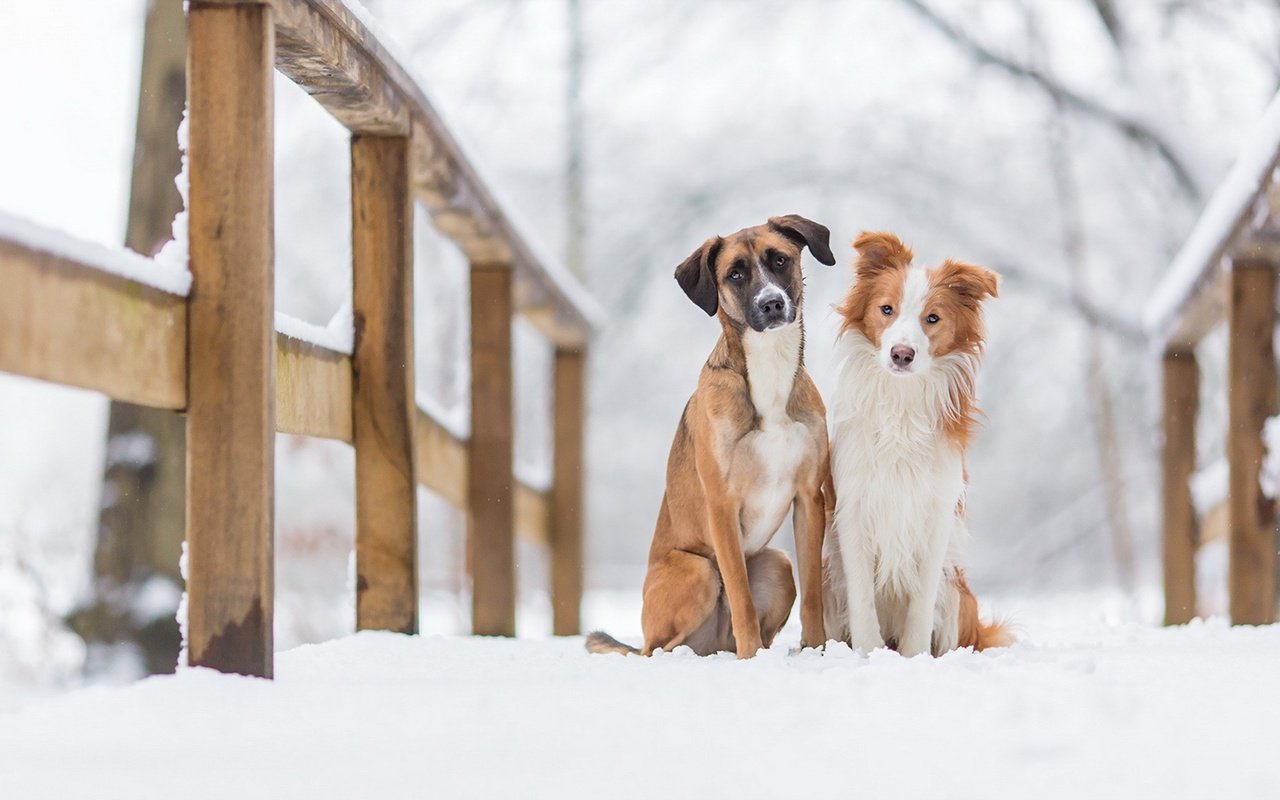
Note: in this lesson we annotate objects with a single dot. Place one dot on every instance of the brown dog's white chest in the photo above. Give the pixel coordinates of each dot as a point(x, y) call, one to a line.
point(768, 460)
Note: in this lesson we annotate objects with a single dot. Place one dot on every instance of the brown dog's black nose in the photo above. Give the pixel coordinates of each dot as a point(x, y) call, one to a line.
point(902, 355)
point(774, 305)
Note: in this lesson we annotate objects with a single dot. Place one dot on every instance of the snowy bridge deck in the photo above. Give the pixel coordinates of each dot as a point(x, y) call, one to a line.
point(1081, 709)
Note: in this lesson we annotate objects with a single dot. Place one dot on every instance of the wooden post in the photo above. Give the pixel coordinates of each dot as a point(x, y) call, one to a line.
point(490, 495)
point(1251, 386)
point(1181, 401)
point(231, 409)
point(384, 406)
point(566, 493)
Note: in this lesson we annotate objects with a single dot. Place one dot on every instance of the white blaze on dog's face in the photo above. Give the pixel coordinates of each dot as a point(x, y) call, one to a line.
point(914, 316)
point(754, 276)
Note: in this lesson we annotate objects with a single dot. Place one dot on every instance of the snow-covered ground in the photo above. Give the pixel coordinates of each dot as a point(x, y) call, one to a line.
point(1083, 707)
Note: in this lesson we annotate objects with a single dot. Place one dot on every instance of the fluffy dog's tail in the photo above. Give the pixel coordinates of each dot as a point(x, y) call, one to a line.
point(601, 642)
point(973, 631)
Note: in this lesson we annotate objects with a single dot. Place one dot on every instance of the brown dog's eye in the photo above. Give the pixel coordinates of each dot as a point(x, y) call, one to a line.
point(779, 262)
point(735, 274)
point(932, 319)
point(886, 310)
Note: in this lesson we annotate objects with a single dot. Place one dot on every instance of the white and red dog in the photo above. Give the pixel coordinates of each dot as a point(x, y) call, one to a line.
point(904, 411)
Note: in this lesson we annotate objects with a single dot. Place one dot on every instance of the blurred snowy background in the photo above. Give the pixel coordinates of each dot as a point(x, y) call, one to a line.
point(1067, 144)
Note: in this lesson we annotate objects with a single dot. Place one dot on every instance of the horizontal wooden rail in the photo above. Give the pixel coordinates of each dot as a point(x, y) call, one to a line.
point(69, 323)
point(313, 390)
point(75, 324)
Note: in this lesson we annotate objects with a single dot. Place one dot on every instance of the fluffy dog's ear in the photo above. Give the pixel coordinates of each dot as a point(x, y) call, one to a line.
point(972, 283)
point(878, 252)
point(697, 276)
point(806, 231)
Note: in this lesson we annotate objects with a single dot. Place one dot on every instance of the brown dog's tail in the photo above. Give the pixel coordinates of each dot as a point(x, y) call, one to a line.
point(601, 642)
point(973, 631)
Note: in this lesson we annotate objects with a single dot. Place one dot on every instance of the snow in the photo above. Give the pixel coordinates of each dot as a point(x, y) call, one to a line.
point(166, 277)
point(176, 252)
point(338, 335)
point(1232, 205)
point(133, 447)
point(1270, 474)
point(156, 598)
point(1209, 486)
point(455, 419)
point(1084, 707)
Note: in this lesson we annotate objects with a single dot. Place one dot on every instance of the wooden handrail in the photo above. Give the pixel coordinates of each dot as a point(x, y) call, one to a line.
point(1225, 272)
point(127, 340)
point(1238, 220)
point(333, 55)
point(90, 317)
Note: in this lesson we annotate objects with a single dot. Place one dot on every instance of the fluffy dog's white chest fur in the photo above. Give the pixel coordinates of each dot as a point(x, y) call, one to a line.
point(780, 444)
point(898, 478)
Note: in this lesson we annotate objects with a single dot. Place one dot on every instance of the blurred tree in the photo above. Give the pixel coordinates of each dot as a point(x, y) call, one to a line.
point(136, 580)
point(575, 194)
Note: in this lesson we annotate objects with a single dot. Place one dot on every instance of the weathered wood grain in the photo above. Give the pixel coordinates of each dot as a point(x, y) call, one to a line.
point(71, 324)
point(332, 62)
point(386, 485)
point(1178, 460)
point(490, 489)
point(231, 380)
point(1251, 398)
point(568, 418)
point(313, 390)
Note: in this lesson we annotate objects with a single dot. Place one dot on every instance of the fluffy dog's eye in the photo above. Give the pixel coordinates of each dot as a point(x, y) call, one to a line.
point(779, 262)
point(735, 274)
point(886, 310)
point(932, 319)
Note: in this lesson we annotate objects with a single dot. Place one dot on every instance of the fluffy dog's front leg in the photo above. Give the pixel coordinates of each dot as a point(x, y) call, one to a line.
point(860, 583)
point(917, 634)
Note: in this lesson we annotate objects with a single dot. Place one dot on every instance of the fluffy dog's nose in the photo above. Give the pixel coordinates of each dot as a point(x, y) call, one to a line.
point(774, 305)
point(902, 355)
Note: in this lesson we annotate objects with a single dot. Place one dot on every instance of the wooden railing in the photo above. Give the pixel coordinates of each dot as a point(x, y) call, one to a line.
point(69, 316)
point(1226, 271)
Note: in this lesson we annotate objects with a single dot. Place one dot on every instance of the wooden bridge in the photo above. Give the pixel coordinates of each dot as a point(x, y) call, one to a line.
point(1226, 271)
point(71, 315)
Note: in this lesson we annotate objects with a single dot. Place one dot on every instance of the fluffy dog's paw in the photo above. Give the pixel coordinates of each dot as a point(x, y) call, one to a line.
point(868, 643)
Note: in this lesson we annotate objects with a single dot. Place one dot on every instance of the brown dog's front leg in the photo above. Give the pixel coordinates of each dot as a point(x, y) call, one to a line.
point(726, 538)
point(810, 523)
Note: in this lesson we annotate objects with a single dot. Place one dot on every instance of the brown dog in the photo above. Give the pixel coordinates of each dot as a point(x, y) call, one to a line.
point(751, 444)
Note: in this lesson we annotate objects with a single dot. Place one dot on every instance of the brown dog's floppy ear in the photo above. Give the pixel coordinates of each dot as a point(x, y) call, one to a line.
point(879, 251)
point(971, 282)
point(794, 226)
point(697, 276)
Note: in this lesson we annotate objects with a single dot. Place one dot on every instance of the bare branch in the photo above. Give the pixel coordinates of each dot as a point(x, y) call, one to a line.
point(1088, 311)
point(1132, 129)
point(1107, 13)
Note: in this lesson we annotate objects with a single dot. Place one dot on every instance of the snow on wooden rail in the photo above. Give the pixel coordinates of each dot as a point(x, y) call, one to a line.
point(1189, 301)
point(68, 316)
point(87, 317)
